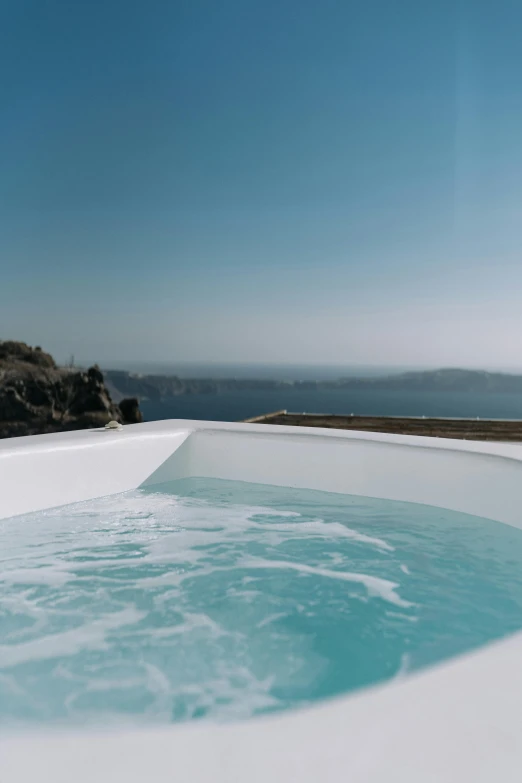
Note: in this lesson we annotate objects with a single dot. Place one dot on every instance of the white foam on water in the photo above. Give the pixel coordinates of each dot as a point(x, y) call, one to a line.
point(153, 604)
point(168, 529)
point(382, 588)
point(91, 636)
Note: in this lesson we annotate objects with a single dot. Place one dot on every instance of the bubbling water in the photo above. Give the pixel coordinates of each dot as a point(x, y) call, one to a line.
point(223, 600)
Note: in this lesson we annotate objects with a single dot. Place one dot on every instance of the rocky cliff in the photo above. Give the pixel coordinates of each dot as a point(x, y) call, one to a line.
point(37, 396)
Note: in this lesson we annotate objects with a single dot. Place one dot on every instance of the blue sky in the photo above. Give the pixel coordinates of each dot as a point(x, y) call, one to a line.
point(279, 181)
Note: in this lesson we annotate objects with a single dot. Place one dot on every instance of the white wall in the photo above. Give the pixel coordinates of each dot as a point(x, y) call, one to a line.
point(44, 471)
point(482, 484)
point(455, 723)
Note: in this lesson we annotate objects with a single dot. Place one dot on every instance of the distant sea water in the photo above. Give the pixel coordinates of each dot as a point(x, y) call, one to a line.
point(238, 405)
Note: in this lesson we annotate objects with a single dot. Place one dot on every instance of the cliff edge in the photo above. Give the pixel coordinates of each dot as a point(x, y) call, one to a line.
point(38, 396)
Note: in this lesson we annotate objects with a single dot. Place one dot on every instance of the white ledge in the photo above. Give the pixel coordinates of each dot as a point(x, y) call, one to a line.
point(458, 721)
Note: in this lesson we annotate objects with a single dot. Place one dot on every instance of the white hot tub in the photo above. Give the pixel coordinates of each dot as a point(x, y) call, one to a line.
point(458, 721)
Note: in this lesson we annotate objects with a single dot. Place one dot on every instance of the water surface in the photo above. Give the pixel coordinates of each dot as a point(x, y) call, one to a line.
point(218, 600)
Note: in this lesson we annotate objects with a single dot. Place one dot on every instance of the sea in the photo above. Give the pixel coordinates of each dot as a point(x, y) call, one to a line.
point(239, 405)
point(236, 406)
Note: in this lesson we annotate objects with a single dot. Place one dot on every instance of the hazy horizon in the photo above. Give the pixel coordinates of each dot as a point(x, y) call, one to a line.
point(281, 371)
point(294, 183)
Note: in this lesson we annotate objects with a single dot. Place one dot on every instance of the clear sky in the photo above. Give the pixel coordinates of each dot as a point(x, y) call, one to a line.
point(272, 180)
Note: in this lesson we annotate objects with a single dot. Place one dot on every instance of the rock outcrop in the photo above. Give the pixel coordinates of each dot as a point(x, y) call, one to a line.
point(37, 396)
point(130, 410)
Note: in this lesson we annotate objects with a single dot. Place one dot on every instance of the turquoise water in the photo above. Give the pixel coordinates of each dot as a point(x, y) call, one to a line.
point(211, 599)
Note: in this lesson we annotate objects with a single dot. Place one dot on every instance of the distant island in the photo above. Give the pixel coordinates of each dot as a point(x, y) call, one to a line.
point(37, 395)
point(123, 384)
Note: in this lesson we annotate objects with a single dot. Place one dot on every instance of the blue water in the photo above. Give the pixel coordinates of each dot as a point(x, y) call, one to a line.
point(235, 406)
point(218, 600)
